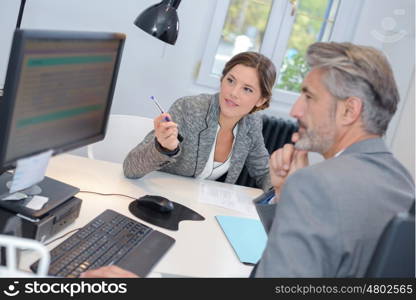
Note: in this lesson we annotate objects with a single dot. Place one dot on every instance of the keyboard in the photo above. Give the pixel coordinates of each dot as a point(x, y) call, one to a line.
point(110, 238)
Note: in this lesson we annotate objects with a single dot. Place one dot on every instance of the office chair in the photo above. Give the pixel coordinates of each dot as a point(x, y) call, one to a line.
point(12, 245)
point(124, 132)
point(276, 133)
point(394, 255)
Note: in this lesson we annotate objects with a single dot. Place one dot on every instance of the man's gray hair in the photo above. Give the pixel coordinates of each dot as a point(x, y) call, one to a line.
point(359, 71)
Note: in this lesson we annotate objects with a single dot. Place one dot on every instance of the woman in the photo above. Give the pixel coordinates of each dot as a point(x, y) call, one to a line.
point(210, 135)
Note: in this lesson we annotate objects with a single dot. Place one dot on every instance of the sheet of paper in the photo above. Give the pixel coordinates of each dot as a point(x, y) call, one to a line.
point(226, 196)
point(246, 236)
point(30, 171)
point(37, 202)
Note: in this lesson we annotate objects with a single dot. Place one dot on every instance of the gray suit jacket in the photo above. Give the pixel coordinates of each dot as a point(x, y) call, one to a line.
point(330, 215)
point(197, 118)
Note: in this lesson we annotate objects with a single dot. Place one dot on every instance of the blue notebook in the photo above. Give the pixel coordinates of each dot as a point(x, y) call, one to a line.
point(246, 236)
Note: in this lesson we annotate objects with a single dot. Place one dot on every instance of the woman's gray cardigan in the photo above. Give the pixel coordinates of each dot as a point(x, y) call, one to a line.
point(197, 119)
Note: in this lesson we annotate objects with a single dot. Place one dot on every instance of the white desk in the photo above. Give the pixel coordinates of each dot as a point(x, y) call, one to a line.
point(201, 248)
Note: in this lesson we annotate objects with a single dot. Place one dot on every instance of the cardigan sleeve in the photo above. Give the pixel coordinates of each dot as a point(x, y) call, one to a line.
point(147, 156)
point(257, 161)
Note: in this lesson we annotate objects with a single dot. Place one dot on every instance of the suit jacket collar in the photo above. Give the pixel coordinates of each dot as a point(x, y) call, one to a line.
point(372, 145)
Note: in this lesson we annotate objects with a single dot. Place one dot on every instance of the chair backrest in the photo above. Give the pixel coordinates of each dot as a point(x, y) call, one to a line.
point(124, 132)
point(14, 244)
point(394, 255)
point(276, 133)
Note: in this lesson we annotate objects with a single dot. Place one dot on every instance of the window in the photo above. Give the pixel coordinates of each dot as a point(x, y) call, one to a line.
point(313, 22)
point(281, 30)
point(243, 30)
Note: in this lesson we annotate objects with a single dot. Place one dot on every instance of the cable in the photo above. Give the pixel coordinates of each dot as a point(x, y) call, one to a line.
point(88, 192)
point(62, 236)
point(103, 194)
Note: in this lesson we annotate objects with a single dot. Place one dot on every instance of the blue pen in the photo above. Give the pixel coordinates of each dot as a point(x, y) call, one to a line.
point(160, 108)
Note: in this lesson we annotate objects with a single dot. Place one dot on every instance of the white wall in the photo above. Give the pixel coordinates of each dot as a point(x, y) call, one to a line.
point(149, 67)
point(390, 27)
point(404, 137)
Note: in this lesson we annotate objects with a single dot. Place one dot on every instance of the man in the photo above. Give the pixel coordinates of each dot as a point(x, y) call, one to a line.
point(330, 215)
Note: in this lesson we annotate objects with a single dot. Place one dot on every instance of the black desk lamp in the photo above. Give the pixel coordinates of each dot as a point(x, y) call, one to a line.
point(161, 21)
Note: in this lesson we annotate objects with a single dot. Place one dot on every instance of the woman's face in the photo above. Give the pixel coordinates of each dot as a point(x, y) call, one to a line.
point(240, 92)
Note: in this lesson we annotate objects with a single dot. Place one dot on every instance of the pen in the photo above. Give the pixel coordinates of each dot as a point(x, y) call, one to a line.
point(167, 119)
point(160, 108)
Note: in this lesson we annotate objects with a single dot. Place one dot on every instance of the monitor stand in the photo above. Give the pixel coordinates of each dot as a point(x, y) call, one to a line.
point(57, 192)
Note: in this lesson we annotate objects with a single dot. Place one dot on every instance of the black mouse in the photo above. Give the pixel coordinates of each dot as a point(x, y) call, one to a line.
point(156, 203)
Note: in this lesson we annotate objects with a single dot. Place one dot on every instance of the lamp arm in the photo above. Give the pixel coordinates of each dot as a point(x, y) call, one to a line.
point(19, 18)
point(176, 3)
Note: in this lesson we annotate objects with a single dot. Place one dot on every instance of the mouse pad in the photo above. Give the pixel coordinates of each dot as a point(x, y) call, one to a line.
point(168, 220)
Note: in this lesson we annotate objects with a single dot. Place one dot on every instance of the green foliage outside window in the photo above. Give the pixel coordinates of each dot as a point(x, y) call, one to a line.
point(292, 73)
point(305, 31)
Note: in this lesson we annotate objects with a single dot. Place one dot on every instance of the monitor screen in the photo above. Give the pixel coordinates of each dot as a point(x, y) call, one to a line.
point(58, 91)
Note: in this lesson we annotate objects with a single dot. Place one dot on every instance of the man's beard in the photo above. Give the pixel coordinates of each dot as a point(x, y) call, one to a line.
point(315, 140)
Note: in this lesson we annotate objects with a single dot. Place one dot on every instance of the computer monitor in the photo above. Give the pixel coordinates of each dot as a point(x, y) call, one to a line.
point(57, 96)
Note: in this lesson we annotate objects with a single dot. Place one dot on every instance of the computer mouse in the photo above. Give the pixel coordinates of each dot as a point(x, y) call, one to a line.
point(156, 203)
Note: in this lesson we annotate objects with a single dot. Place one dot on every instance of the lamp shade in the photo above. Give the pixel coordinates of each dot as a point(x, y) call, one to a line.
point(161, 21)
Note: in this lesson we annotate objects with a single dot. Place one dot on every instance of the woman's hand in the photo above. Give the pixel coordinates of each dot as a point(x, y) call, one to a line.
point(166, 132)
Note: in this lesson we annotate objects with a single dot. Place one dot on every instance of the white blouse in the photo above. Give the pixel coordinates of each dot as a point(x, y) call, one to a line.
point(214, 169)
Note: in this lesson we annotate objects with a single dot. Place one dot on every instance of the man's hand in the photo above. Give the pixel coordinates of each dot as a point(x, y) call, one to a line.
point(166, 132)
point(285, 161)
point(108, 272)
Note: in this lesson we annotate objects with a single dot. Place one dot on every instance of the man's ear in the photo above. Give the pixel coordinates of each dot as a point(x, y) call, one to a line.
point(352, 109)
